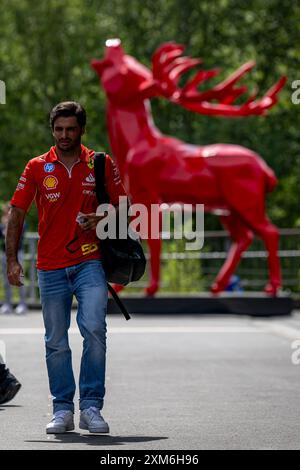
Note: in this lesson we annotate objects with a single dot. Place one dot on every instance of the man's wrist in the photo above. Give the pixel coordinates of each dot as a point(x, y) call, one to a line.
point(12, 260)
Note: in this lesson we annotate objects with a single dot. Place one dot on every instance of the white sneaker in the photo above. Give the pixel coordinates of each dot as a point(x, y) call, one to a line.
point(6, 309)
point(21, 309)
point(92, 420)
point(61, 422)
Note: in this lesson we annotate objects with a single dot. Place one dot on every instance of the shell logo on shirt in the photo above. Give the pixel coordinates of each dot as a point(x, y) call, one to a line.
point(50, 182)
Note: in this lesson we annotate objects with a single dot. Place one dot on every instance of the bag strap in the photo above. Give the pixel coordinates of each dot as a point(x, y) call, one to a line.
point(99, 165)
point(118, 302)
point(103, 197)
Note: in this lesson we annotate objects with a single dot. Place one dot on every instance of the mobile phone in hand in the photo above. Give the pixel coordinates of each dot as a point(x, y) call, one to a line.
point(80, 219)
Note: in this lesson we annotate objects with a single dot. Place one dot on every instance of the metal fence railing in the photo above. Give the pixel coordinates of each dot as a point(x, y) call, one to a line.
point(193, 271)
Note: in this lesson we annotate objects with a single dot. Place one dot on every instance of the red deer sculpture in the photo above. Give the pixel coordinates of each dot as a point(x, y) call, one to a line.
point(157, 168)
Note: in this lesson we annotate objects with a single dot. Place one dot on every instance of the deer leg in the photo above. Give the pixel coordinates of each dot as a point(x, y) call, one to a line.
point(118, 287)
point(257, 220)
point(154, 250)
point(155, 245)
point(270, 236)
point(241, 237)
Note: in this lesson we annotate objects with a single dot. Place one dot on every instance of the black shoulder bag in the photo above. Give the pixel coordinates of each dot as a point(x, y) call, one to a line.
point(123, 260)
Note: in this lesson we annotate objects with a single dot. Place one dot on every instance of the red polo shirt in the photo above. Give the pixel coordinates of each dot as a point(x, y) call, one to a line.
point(60, 194)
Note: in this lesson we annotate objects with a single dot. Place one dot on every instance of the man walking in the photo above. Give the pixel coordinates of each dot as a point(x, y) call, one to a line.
point(62, 182)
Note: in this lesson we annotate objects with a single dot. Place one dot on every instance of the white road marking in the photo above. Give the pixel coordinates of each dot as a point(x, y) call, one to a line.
point(186, 329)
point(258, 327)
point(279, 329)
point(22, 331)
point(144, 329)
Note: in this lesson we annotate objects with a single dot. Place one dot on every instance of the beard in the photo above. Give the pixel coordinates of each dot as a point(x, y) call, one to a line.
point(68, 147)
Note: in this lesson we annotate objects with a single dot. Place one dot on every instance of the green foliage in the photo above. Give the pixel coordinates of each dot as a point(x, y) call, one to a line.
point(46, 47)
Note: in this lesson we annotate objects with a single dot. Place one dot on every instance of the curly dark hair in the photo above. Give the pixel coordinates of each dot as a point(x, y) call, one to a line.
point(67, 109)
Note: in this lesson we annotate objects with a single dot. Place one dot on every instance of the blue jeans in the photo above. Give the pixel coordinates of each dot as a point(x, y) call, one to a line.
point(88, 283)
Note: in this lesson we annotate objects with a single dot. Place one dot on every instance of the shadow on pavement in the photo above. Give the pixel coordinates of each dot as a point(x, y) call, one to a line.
point(96, 440)
point(2, 407)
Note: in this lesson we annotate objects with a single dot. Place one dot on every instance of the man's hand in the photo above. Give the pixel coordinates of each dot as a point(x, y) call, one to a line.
point(13, 234)
point(90, 221)
point(14, 273)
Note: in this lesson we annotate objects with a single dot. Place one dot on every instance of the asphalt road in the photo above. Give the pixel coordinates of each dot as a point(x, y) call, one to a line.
point(187, 383)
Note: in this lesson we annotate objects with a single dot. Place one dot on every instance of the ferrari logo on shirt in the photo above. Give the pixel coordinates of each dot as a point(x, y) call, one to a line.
point(91, 163)
point(50, 182)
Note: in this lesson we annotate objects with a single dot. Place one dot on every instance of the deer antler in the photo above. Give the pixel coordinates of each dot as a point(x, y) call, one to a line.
point(168, 65)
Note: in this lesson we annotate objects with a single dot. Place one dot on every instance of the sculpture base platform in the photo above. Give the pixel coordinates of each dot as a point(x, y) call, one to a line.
point(253, 304)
